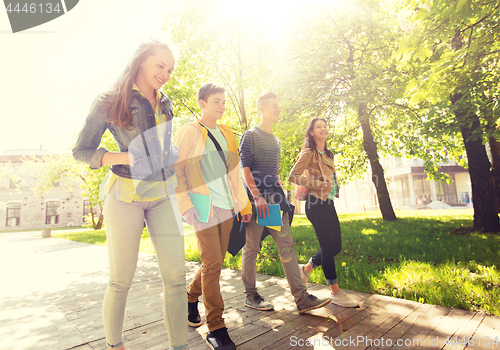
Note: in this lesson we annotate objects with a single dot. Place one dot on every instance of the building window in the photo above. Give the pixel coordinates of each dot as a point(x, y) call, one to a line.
point(398, 163)
point(403, 192)
point(52, 212)
point(13, 214)
point(447, 193)
point(423, 191)
point(86, 209)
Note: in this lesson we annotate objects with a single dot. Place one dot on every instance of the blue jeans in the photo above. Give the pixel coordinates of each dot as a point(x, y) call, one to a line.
point(124, 223)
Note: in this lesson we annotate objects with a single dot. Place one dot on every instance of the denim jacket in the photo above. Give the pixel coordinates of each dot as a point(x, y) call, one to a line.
point(152, 160)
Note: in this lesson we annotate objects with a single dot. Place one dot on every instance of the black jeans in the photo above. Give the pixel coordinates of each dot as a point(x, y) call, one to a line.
point(325, 221)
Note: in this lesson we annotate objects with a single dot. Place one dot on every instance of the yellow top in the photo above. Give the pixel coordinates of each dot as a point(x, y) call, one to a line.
point(129, 190)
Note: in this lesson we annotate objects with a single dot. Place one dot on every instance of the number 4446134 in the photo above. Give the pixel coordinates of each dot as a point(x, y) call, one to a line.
point(470, 341)
point(33, 8)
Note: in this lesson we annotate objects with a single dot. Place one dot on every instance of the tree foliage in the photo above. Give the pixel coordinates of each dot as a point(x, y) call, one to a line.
point(337, 61)
point(454, 49)
point(343, 72)
point(218, 47)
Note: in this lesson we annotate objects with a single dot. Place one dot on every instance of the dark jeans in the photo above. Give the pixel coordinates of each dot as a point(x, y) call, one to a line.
point(326, 224)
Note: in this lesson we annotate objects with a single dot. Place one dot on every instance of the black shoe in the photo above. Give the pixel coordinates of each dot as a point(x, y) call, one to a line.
point(219, 340)
point(194, 318)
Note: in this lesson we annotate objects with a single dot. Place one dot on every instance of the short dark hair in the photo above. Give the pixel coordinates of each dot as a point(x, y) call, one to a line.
point(265, 96)
point(209, 89)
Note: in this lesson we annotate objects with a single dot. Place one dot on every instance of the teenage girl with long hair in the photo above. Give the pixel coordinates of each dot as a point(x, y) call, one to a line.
point(315, 170)
point(139, 116)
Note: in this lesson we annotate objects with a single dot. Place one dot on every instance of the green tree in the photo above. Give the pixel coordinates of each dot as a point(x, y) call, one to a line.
point(343, 72)
point(454, 46)
point(228, 49)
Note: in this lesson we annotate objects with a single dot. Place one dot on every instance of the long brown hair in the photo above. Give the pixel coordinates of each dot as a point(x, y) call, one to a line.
point(309, 141)
point(120, 95)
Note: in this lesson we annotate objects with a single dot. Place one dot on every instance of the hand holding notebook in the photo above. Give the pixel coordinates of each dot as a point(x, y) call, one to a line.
point(274, 217)
point(202, 204)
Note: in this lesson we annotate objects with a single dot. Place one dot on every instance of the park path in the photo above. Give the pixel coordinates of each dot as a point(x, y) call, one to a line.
point(51, 292)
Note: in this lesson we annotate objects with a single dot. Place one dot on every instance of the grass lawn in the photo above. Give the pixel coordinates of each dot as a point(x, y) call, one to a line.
point(416, 257)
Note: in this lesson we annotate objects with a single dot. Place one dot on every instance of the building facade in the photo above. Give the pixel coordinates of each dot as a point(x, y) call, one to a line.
point(21, 209)
point(408, 188)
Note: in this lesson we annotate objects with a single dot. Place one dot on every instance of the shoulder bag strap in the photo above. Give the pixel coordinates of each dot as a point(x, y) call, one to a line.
point(217, 147)
point(221, 153)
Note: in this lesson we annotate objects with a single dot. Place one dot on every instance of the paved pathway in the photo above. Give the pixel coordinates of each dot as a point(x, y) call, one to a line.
point(51, 292)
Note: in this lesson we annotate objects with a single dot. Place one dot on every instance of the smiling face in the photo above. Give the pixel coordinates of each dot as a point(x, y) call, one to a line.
point(319, 131)
point(214, 107)
point(270, 109)
point(155, 70)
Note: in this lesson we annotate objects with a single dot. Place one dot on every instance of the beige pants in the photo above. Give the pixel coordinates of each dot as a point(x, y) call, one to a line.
point(124, 224)
point(284, 243)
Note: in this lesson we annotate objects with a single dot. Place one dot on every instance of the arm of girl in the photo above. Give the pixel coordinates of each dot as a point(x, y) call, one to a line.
point(113, 158)
point(87, 149)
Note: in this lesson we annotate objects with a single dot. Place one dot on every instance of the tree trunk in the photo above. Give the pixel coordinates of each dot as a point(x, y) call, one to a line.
point(378, 177)
point(241, 102)
point(495, 170)
point(491, 129)
point(243, 112)
point(98, 226)
point(483, 196)
point(92, 215)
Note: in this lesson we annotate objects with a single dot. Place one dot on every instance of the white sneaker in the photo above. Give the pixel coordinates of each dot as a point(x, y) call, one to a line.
point(344, 300)
point(303, 275)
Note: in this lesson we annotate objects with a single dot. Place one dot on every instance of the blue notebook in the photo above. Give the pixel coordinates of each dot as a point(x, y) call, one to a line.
point(274, 218)
point(202, 204)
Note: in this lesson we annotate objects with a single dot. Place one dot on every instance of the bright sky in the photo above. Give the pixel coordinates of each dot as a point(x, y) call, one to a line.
point(50, 74)
point(271, 14)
